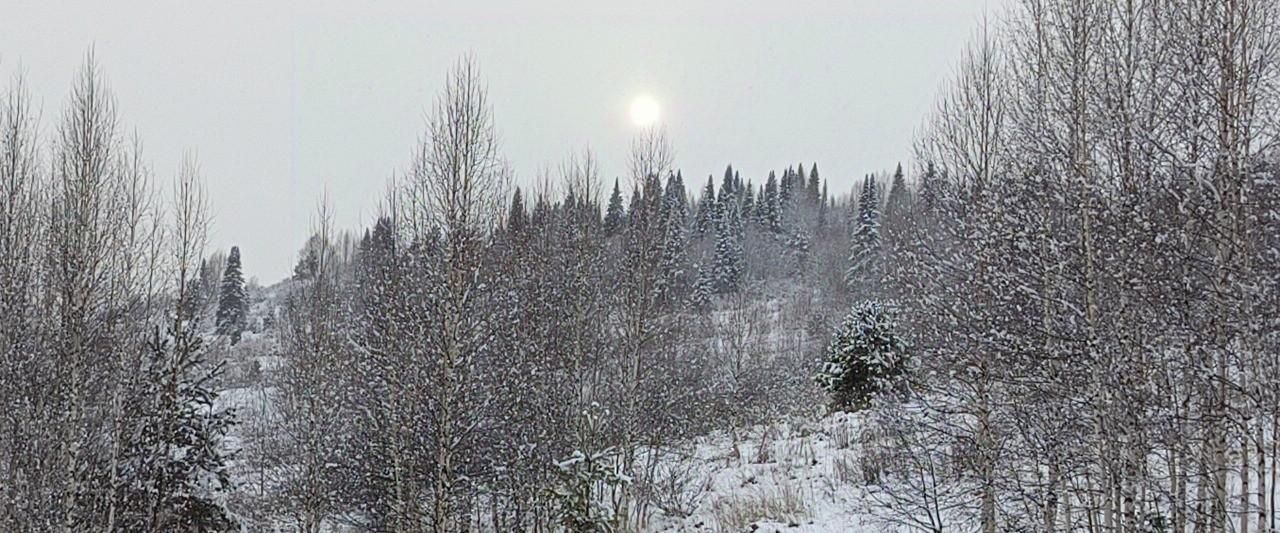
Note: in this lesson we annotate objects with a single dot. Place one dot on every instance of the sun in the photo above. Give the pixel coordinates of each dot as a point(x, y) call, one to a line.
point(644, 111)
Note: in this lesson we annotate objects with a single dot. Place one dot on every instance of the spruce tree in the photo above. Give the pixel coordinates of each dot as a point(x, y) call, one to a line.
point(517, 219)
point(704, 286)
point(866, 356)
point(673, 283)
point(798, 183)
point(306, 265)
point(208, 287)
point(929, 184)
point(768, 204)
point(541, 215)
point(728, 266)
point(233, 304)
point(822, 206)
point(175, 463)
point(635, 209)
point(676, 198)
point(865, 246)
point(707, 208)
point(816, 193)
point(652, 199)
point(897, 207)
point(786, 190)
point(614, 215)
point(727, 187)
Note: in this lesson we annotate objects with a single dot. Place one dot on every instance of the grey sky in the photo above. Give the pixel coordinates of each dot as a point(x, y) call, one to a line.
point(284, 100)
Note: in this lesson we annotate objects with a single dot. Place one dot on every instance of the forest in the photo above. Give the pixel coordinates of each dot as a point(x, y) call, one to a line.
point(1059, 315)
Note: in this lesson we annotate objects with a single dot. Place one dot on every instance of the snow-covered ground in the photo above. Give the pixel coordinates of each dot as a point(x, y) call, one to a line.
point(800, 475)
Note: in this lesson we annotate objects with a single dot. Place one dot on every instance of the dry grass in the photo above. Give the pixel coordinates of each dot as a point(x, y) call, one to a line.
point(798, 453)
point(781, 502)
point(842, 438)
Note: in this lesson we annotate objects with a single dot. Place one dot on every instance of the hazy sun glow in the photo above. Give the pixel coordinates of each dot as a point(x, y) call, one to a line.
point(644, 111)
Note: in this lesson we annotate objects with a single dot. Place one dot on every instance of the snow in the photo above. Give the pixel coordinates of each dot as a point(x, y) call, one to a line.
point(798, 475)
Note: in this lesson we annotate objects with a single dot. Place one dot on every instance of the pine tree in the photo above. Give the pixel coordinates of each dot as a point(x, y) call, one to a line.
point(233, 304)
point(865, 249)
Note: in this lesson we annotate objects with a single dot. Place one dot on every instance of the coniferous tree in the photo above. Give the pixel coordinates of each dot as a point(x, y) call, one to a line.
point(707, 208)
point(676, 199)
point(727, 187)
point(822, 205)
point(177, 463)
point(516, 217)
point(801, 189)
point(306, 265)
point(786, 191)
point(815, 192)
point(769, 203)
point(673, 215)
point(865, 249)
point(233, 303)
point(704, 286)
point(896, 207)
point(729, 259)
point(929, 182)
point(614, 217)
point(635, 209)
point(209, 281)
point(541, 215)
point(865, 356)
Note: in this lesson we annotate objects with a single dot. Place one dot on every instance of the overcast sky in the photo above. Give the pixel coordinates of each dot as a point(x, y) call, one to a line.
point(285, 99)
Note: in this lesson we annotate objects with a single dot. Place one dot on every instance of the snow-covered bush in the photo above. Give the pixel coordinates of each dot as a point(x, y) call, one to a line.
point(589, 479)
point(865, 356)
point(585, 478)
point(675, 484)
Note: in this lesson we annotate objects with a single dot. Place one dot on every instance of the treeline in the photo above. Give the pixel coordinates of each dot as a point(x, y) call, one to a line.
point(1089, 281)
